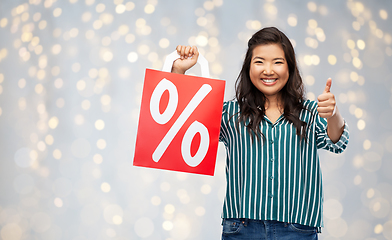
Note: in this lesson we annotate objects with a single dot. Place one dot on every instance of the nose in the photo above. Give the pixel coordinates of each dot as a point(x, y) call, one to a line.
point(268, 70)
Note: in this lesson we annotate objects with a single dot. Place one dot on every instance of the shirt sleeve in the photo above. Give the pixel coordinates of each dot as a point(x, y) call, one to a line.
point(323, 140)
point(223, 127)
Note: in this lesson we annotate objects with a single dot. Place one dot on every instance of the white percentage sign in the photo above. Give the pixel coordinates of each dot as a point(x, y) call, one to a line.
point(194, 128)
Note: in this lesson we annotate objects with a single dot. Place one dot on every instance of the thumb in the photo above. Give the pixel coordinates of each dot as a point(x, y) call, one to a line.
point(328, 85)
point(195, 53)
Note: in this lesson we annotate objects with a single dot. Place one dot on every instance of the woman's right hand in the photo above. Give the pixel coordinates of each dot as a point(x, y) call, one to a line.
point(188, 58)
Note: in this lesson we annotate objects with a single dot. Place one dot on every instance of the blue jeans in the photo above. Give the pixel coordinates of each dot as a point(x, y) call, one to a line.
point(239, 229)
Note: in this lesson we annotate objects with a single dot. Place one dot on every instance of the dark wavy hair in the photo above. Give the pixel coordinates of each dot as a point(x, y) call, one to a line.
point(252, 101)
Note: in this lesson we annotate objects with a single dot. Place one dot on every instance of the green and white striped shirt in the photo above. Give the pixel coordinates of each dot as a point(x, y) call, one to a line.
point(278, 178)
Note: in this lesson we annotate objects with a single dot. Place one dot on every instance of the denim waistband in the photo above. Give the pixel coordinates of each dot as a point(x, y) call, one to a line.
point(245, 222)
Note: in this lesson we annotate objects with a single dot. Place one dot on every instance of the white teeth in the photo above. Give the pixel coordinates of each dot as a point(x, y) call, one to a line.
point(269, 80)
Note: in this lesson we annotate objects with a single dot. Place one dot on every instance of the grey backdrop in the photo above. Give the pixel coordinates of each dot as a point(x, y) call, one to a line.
point(71, 77)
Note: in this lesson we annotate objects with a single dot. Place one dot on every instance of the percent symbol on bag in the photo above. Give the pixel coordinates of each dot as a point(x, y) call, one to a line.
point(194, 128)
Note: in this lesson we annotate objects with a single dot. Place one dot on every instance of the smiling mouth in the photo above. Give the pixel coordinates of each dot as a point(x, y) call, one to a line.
point(269, 80)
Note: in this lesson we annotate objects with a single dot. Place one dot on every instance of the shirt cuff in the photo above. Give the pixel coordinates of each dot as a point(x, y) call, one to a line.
point(340, 145)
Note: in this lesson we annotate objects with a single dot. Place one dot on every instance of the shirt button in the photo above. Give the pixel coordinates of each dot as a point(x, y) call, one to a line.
point(272, 141)
point(271, 177)
point(271, 195)
point(272, 159)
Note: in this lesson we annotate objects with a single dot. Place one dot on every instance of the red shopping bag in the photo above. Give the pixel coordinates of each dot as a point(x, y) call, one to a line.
point(179, 120)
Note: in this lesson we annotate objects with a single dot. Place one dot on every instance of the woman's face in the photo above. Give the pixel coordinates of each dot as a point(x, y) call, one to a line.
point(269, 71)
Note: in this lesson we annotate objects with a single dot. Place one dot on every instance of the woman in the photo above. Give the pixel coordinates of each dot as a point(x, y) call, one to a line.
point(272, 133)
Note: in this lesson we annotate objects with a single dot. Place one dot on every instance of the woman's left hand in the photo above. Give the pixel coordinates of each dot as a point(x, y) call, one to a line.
point(326, 102)
point(327, 109)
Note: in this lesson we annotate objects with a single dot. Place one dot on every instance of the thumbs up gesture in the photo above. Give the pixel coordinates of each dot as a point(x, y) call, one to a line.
point(326, 102)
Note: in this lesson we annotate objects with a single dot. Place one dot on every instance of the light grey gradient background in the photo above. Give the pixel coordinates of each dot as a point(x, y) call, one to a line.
point(71, 77)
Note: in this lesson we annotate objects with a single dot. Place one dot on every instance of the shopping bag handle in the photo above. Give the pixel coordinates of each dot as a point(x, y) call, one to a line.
point(167, 66)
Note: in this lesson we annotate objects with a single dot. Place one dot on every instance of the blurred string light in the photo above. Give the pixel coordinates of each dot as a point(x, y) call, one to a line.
point(71, 80)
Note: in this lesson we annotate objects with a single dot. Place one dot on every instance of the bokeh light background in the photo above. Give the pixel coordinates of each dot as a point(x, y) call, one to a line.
point(71, 77)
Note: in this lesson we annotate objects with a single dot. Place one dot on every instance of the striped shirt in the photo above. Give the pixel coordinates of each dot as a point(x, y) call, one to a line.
point(278, 178)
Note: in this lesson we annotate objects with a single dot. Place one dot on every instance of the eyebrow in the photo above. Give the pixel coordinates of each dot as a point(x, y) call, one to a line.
point(272, 59)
